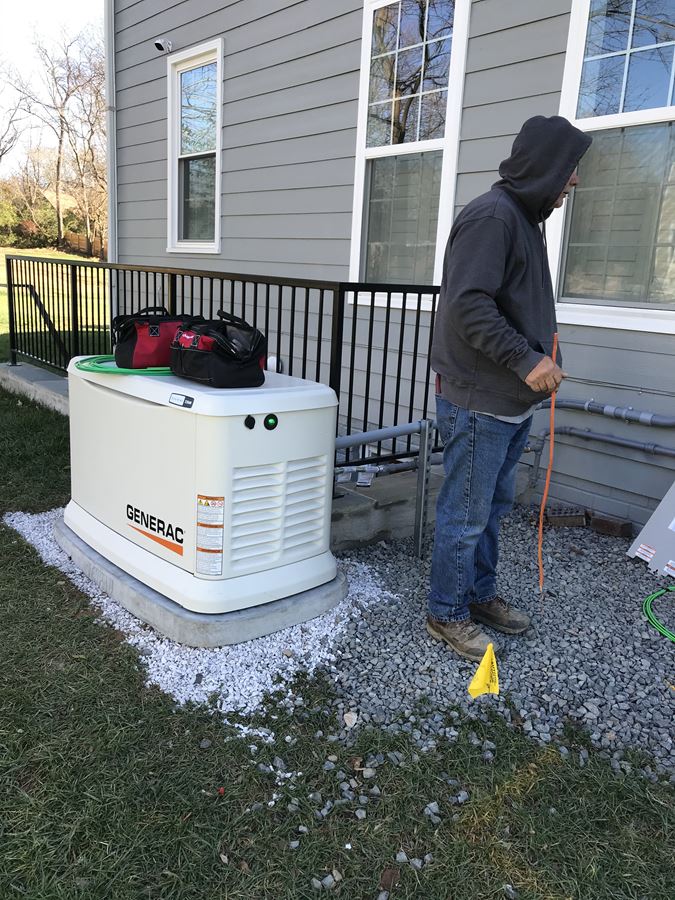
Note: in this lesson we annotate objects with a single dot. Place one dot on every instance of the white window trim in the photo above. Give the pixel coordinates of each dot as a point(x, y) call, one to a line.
point(210, 51)
point(448, 144)
point(620, 317)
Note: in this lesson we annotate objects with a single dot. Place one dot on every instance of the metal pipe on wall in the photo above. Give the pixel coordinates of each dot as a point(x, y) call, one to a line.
point(624, 413)
point(588, 435)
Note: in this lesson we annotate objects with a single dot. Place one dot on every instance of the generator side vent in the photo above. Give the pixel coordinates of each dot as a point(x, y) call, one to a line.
point(278, 512)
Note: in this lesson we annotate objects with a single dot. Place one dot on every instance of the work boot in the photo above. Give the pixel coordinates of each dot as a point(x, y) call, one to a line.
point(499, 615)
point(465, 637)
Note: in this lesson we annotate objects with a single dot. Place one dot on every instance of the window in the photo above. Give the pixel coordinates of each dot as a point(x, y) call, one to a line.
point(195, 102)
point(402, 218)
point(621, 239)
point(409, 66)
point(617, 245)
point(629, 55)
point(412, 60)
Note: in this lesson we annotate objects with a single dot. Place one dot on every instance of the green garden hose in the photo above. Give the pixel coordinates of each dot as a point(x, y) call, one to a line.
point(647, 609)
point(102, 364)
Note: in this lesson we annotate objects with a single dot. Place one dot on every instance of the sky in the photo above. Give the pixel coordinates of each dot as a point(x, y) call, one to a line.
point(23, 20)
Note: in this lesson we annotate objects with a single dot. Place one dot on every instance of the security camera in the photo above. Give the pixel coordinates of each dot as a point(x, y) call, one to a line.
point(163, 45)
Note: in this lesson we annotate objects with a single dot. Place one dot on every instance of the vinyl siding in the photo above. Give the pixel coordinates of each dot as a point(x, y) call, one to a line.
point(515, 63)
point(291, 74)
point(514, 69)
point(291, 78)
point(618, 368)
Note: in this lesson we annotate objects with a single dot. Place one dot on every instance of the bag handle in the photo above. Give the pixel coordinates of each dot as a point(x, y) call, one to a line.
point(149, 309)
point(123, 318)
point(225, 343)
point(234, 320)
point(189, 321)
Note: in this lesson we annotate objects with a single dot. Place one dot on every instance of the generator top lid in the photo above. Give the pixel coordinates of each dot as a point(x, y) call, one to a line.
point(278, 393)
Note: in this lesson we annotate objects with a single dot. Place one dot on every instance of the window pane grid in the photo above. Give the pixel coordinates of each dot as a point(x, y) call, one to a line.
point(621, 224)
point(631, 63)
point(628, 52)
point(428, 43)
point(410, 57)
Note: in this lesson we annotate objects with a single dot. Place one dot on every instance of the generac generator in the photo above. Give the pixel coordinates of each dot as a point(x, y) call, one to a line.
point(219, 500)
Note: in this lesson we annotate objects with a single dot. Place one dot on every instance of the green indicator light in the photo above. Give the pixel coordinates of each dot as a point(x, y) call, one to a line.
point(271, 422)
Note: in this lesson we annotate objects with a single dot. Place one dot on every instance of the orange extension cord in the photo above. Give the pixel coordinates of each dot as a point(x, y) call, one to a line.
point(547, 484)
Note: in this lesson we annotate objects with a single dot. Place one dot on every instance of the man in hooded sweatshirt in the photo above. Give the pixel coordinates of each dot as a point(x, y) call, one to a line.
point(493, 339)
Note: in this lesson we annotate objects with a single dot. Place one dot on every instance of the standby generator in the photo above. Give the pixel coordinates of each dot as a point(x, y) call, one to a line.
point(217, 500)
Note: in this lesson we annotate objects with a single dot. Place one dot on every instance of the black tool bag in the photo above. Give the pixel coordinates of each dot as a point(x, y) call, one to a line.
point(143, 339)
point(228, 353)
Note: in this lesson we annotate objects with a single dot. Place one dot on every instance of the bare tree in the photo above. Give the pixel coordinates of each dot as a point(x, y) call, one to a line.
point(10, 118)
point(61, 76)
point(29, 186)
point(85, 131)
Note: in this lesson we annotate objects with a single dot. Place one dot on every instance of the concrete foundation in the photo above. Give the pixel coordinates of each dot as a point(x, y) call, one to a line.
point(48, 388)
point(385, 511)
point(191, 628)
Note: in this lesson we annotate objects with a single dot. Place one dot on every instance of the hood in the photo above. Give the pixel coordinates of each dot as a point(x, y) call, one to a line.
point(544, 154)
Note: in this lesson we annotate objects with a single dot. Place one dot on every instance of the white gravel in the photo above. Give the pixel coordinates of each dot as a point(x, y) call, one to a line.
point(241, 674)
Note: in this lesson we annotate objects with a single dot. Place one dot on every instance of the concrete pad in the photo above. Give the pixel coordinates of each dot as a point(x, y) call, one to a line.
point(44, 387)
point(383, 512)
point(191, 628)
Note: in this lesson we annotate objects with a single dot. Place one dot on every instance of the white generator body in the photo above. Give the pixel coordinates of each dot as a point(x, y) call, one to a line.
point(219, 500)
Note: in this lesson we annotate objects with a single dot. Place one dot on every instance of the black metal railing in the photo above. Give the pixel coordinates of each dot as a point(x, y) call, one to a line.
point(384, 356)
point(370, 342)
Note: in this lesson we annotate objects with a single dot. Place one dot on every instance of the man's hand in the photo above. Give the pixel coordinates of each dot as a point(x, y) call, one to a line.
point(545, 377)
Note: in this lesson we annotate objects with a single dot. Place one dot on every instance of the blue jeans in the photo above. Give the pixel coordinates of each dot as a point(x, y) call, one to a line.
point(480, 457)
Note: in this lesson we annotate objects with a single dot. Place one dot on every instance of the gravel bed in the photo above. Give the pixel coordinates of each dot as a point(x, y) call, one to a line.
point(590, 656)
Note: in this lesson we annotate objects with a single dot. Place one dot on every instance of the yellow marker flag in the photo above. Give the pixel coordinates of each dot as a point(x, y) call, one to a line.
point(486, 679)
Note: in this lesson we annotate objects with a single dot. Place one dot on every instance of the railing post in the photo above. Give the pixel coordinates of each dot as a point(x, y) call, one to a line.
point(10, 305)
point(74, 314)
point(336, 338)
point(422, 497)
point(172, 294)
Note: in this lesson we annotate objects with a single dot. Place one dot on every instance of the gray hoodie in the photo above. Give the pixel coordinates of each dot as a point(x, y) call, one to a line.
point(496, 311)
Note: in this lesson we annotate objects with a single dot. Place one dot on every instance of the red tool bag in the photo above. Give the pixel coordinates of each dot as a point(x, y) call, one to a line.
point(143, 339)
point(228, 353)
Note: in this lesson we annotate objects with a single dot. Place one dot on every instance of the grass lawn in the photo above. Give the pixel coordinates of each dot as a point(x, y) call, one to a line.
point(46, 253)
point(105, 791)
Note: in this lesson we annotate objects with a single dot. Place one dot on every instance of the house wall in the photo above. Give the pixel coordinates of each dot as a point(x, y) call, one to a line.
point(291, 75)
point(515, 62)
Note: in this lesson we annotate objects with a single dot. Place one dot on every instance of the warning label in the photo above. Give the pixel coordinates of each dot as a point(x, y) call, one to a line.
point(645, 552)
point(210, 530)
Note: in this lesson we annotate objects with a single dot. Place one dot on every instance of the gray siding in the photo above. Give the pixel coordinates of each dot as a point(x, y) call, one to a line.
point(290, 110)
point(291, 75)
point(515, 62)
point(514, 68)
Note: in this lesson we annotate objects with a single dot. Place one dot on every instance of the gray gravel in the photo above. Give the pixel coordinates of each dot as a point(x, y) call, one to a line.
point(589, 657)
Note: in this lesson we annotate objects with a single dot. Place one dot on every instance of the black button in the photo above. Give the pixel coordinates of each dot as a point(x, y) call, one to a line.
point(270, 422)
point(249, 422)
